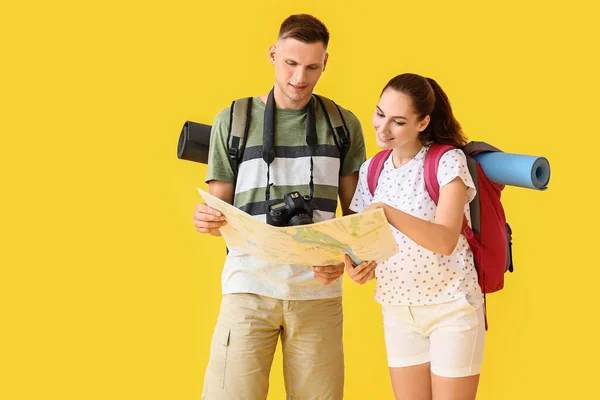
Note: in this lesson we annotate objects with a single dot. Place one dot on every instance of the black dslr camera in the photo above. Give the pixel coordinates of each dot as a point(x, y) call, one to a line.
point(295, 209)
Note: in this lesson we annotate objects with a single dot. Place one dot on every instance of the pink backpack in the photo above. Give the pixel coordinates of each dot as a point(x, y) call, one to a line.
point(490, 238)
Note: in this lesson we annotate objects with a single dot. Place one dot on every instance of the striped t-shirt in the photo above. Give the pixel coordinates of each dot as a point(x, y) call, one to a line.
point(290, 171)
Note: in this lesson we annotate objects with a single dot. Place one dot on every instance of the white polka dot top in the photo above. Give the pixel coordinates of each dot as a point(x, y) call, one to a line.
point(415, 275)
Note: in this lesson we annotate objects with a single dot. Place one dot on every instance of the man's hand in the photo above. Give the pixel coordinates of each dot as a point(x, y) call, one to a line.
point(328, 273)
point(361, 273)
point(208, 220)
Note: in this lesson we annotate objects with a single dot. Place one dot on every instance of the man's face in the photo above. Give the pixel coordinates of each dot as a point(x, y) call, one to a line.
point(298, 67)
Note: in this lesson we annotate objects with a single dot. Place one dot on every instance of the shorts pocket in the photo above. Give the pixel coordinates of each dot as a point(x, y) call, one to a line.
point(476, 299)
point(464, 301)
point(218, 356)
point(469, 312)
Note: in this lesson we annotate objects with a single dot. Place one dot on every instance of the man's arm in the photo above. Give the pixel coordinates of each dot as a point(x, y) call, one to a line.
point(222, 190)
point(348, 181)
point(346, 191)
point(329, 273)
point(207, 219)
point(219, 177)
point(353, 160)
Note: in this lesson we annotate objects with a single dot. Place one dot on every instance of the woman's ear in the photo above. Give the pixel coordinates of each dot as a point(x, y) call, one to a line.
point(424, 123)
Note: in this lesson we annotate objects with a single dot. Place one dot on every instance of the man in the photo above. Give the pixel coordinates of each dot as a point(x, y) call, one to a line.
point(261, 301)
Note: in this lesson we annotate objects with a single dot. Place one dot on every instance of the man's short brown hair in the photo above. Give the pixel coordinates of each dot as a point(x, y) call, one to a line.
point(305, 28)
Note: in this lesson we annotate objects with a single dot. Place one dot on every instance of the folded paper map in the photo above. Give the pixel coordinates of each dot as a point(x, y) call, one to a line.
point(364, 237)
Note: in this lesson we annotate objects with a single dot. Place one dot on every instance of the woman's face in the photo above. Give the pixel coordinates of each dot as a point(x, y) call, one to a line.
point(395, 122)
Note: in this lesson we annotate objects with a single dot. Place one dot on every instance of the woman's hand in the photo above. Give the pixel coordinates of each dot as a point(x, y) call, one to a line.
point(375, 206)
point(361, 273)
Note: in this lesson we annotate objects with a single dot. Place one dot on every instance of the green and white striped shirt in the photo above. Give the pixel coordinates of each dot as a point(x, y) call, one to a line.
point(290, 171)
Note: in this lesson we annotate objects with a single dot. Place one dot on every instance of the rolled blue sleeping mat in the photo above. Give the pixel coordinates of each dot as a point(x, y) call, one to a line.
point(515, 169)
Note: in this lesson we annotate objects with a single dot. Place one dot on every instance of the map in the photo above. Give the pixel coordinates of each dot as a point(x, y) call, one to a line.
point(364, 237)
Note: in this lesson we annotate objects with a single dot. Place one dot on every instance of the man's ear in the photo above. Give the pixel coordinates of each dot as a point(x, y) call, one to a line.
point(325, 62)
point(424, 123)
point(272, 50)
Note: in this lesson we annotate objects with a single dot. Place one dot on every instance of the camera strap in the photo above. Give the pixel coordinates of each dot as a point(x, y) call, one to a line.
point(269, 138)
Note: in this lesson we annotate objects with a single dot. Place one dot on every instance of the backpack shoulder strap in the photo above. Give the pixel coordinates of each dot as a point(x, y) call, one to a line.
point(472, 150)
point(375, 168)
point(336, 122)
point(239, 122)
point(432, 162)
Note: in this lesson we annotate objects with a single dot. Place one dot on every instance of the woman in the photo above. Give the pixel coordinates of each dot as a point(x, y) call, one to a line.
point(431, 300)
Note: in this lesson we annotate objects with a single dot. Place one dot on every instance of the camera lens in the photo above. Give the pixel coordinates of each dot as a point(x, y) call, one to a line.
point(300, 219)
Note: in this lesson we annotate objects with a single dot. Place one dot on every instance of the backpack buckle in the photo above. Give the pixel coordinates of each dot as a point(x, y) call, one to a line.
point(344, 139)
point(234, 147)
point(468, 232)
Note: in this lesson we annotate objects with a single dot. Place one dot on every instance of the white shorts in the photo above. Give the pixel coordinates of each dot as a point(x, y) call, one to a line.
point(450, 335)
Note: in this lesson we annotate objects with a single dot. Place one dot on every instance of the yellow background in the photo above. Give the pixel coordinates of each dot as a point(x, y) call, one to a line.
point(107, 291)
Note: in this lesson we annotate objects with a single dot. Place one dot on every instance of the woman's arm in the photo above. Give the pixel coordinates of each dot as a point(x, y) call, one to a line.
point(440, 236)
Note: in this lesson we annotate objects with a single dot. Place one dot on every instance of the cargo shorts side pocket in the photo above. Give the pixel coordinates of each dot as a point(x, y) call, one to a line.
point(218, 356)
